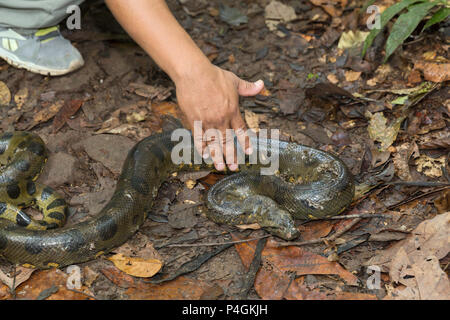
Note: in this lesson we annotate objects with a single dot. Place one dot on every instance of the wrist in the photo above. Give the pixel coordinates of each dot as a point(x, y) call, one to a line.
point(188, 69)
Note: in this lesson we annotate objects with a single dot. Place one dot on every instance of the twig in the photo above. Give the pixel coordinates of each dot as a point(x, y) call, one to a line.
point(216, 243)
point(419, 183)
point(250, 276)
point(352, 216)
point(314, 241)
point(415, 198)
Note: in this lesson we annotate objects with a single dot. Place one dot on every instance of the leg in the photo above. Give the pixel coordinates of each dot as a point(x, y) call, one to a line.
point(33, 14)
point(23, 42)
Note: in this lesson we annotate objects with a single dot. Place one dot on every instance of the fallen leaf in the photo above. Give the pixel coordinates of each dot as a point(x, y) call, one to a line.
point(68, 109)
point(22, 275)
point(46, 114)
point(315, 229)
point(442, 203)
point(352, 39)
point(352, 75)
point(190, 184)
point(430, 238)
point(181, 288)
point(278, 265)
point(435, 72)
point(401, 160)
point(5, 94)
point(137, 267)
point(89, 276)
point(21, 97)
point(332, 7)
point(276, 12)
point(332, 78)
point(151, 92)
point(43, 280)
point(381, 132)
point(232, 16)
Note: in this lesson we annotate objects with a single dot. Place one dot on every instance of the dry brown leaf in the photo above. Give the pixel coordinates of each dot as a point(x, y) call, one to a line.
point(46, 279)
point(431, 167)
point(332, 7)
point(401, 159)
point(315, 229)
point(278, 264)
point(431, 238)
point(352, 75)
point(442, 203)
point(68, 109)
point(137, 267)
point(190, 184)
point(436, 72)
point(22, 275)
point(89, 276)
point(5, 94)
point(181, 288)
point(276, 12)
point(151, 92)
point(435, 140)
point(332, 78)
point(380, 131)
point(46, 114)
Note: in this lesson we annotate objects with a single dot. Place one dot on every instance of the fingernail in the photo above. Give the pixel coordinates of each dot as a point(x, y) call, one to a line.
point(206, 155)
point(259, 82)
point(220, 166)
point(249, 150)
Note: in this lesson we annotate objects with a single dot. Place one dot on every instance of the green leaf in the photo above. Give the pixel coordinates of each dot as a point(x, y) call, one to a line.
point(439, 16)
point(405, 25)
point(386, 16)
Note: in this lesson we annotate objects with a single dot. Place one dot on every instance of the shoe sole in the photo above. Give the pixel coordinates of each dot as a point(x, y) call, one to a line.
point(16, 62)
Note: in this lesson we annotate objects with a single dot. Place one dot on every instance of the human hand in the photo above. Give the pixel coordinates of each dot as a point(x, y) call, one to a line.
point(211, 95)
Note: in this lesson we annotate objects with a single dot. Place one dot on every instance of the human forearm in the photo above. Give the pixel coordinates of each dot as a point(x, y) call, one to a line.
point(205, 93)
point(153, 27)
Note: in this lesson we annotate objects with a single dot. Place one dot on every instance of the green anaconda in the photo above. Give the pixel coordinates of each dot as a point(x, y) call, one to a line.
point(309, 184)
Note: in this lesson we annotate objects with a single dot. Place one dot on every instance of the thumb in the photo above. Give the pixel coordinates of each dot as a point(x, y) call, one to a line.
point(248, 89)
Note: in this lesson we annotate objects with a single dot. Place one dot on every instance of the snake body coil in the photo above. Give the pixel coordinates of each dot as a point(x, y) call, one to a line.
point(318, 184)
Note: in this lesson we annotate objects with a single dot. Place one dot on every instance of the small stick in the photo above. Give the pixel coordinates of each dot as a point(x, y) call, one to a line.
point(216, 243)
point(415, 198)
point(352, 216)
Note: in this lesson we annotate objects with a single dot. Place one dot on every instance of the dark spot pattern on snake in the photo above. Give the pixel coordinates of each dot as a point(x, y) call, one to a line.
point(37, 148)
point(57, 203)
point(46, 193)
point(31, 188)
point(13, 191)
point(56, 215)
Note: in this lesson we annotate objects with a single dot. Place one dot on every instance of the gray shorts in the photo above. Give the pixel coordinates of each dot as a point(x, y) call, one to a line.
point(34, 14)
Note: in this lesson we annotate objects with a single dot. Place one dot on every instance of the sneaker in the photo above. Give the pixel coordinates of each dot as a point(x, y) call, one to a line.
point(42, 51)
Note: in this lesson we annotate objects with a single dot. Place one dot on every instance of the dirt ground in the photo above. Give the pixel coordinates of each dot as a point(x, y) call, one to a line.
point(91, 118)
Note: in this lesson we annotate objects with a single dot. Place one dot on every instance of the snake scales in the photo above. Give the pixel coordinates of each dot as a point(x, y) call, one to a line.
point(310, 184)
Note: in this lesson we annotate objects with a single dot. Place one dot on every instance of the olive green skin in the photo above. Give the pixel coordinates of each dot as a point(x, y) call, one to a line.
point(147, 165)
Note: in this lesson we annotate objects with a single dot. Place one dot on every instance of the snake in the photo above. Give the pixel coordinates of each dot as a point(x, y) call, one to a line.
point(308, 184)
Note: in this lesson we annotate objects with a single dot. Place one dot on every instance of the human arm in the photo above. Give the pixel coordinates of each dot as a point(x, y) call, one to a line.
point(205, 92)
